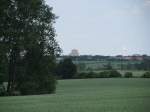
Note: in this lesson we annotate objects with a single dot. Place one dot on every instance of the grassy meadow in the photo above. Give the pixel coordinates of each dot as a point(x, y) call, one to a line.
point(86, 95)
point(100, 65)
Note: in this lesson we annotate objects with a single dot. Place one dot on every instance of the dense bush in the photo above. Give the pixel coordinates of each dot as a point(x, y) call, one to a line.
point(146, 75)
point(2, 90)
point(29, 87)
point(66, 69)
point(91, 75)
point(48, 85)
point(84, 75)
point(42, 86)
point(128, 75)
point(114, 73)
point(109, 74)
point(103, 74)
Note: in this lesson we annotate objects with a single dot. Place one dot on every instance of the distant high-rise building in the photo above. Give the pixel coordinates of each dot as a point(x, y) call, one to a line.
point(74, 52)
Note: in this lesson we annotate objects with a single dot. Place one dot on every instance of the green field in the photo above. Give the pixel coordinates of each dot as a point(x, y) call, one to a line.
point(87, 95)
point(101, 65)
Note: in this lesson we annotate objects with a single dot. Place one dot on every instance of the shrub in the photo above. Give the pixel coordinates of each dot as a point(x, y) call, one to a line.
point(44, 86)
point(48, 85)
point(91, 75)
point(104, 74)
point(2, 90)
point(66, 69)
point(128, 75)
point(80, 75)
point(114, 73)
point(146, 75)
point(85, 75)
point(27, 88)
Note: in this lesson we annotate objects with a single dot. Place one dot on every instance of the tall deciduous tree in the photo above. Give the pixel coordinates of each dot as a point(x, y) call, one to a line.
point(66, 69)
point(27, 38)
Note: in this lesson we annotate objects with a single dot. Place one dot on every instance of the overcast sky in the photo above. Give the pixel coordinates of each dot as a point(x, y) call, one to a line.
point(104, 27)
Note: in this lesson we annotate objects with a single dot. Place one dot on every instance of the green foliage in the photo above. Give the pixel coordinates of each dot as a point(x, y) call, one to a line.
point(104, 74)
point(84, 75)
point(28, 88)
point(3, 66)
point(27, 43)
point(38, 87)
point(66, 69)
point(2, 90)
point(128, 75)
point(146, 75)
point(38, 77)
point(1, 78)
point(110, 74)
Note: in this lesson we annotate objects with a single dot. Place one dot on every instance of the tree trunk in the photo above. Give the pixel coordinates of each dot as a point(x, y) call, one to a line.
point(12, 70)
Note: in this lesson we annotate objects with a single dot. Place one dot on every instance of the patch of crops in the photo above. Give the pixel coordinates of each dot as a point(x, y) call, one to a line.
point(86, 95)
